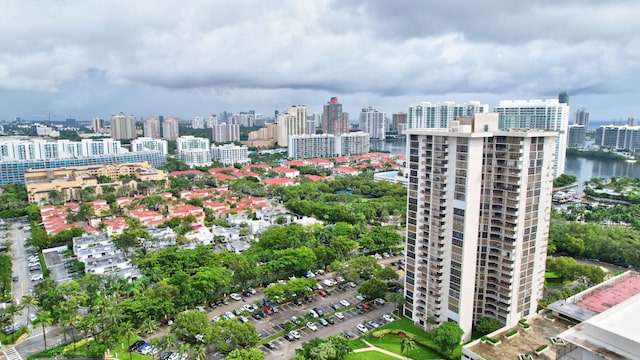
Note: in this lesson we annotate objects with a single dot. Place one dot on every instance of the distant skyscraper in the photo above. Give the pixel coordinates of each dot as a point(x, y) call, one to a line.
point(373, 123)
point(291, 122)
point(149, 144)
point(576, 135)
point(425, 115)
point(333, 119)
point(98, 125)
point(563, 98)
point(197, 122)
point(170, 129)
point(123, 126)
point(225, 132)
point(399, 122)
point(479, 204)
point(211, 121)
point(151, 128)
point(582, 117)
point(632, 121)
point(548, 114)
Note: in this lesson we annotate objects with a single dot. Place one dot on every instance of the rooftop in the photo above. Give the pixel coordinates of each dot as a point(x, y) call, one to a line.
point(610, 294)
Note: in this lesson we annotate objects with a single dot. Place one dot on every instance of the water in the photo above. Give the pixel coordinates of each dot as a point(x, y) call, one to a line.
point(583, 169)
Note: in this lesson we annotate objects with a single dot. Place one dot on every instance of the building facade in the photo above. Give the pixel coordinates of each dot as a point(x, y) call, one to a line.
point(576, 136)
point(582, 117)
point(193, 151)
point(149, 144)
point(311, 146)
point(98, 125)
point(225, 132)
point(21, 149)
point(334, 121)
point(197, 122)
point(373, 123)
point(291, 122)
point(151, 128)
point(550, 114)
point(230, 154)
point(355, 143)
point(399, 122)
point(264, 137)
point(170, 129)
point(425, 115)
point(479, 204)
point(618, 137)
point(123, 126)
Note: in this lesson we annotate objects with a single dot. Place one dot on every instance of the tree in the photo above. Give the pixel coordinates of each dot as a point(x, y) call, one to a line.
point(407, 345)
point(129, 331)
point(189, 324)
point(245, 354)
point(373, 288)
point(43, 318)
point(387, 274)
point(244, 270)
point(28, 302)
point(447, 336)
point(487, 325)
point(398, 299)
point(13, 310)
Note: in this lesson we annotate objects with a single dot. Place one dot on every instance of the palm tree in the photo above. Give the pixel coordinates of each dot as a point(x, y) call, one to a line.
point(200, 352)
point(148, 326)
point(399, 300)
point(407, 344)
point(13, 310)
point(43, 318)
point(28, 302)
point(129, 331)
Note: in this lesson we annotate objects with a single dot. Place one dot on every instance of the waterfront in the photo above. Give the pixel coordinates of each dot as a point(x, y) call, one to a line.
point(583, 169)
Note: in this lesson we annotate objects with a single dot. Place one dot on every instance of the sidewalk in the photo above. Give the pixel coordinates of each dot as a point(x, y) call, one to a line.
point(373, 348)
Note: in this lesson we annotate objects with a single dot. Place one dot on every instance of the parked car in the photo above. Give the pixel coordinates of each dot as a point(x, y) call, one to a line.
point(379, 301)
point(361, 328)
point(311, 326)
point(339, 315)
point(243, 319)
point(322, 293)
point(347, 335)
point(331, 320)
point(365, 307)
point(252, 291)
point(319, 311)
point(323, 322)
point(289, 337)
point(235, 297)
point(373, 324)
point(295, 334)
point(267, 310)
point(295, 320)
point(256, 316)
point(344, 303)
point(313, 313)
point(352, 284)
point(360, 297)
point(388, 317)
point(297, 302)
point(335, 306)
point(275, 309)
point(269, 345)
point(37, 277)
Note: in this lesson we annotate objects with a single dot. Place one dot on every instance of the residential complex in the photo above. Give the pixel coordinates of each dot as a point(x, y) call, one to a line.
point(230, 154)
point(479, 204)
point(21, 148)
point(70, 181)
point(432, 116)
point(98, 125)
point(123, 126)
point(264, 137)
point(197, 122)
point(576, 136)
point(194, 151)
point(101, 256)
point(334, 121)
point(399, 122)
point(151, 128)
point(354, 143)
point(291, 122)
point(582, 117)
point(373, 123)
point(550, 114)
point(225, 132)
point(170, 130)
point(149, 144)
point(328, 145)
point(618, 137)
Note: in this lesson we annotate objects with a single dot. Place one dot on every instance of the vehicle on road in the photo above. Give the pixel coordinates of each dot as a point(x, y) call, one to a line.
point(311, 326)
point(361, 328)
point(339, 315)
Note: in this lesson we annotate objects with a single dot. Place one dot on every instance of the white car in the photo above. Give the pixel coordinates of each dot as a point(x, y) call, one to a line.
point(361, 328)
point(344, 303)
point(352, 284)
point(37, 277)
point(360, 297)
point(230, 315)
point(339, 315)
point(313, 313)
point(312, 326)
point(388, 317)
point(377, 256)
point(247, 307)
point(235, 297)
point(295, 334)
point(379, 301)
point(216, 318)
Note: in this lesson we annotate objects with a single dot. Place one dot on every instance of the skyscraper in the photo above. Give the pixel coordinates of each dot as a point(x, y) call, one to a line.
point(123, 126)
point(170, 129)
point(550, 114)
point(151, 128)
point(97, 124)
point(334, 120)
point(225, 132)
point(373, 123)
point(582, 117)
point(399, 122)
point(291, 122)
point(479, 204)
point(193, 151)
point(430, 116)
point(197, 122)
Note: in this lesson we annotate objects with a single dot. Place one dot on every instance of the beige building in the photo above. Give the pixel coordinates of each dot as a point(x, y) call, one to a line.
point(123, 126)
point(263, 138)
point(291, 122)
point(72, 180)
point(170, 129)
point(479, 204)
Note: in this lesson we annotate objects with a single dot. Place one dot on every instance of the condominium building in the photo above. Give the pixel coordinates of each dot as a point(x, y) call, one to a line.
point(550, 114)
point(479, 204)
point(123, 126)
point(230, 154)
point(197, 122)
point(314, 121)
point(21, 149)
point(291, 122)
point(225, 132)
point(211, 121)
point(355, 143)
point(311, 146)
point(334, 121)
point(264, 137)
point(149, 144)
point(577, 135)
point(618, 137)
point(432, 116)
point(373, 123)
point(399, 122)
point(98, 126)
point(170, 129)
point(582, 117)
point(151, 128)
point(194, 151)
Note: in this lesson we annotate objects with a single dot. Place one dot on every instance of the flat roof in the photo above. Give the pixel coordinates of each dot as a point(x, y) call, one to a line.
point(610, 294)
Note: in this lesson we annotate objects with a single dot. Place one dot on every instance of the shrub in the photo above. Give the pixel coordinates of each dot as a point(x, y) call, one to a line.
point(511, 333)
point(541, 347)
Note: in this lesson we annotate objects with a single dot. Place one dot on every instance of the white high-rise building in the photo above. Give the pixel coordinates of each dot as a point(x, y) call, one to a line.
point(547, 114)
point(170, 129)
point(123, 126)
point(311, 146)
point(226, 132)
point(291, 122)
point(193, 151)
point(197, 122)
point(211, 121)
point(98, 126)
point(17, 149)
point(151, 128)
point(230, 154)
point(373, 123)
point(432, 116)
point(355, 143)
point(479, 205)
point(149, 144)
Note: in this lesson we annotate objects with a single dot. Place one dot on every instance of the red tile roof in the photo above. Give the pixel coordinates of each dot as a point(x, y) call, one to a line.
point(279, 181)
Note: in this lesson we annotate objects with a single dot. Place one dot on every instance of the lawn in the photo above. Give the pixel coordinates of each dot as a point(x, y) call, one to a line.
point(369, 355)
point(358, 344)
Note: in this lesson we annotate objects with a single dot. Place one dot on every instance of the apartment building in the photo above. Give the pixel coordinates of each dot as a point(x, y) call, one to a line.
point(151, 128)
point(170, 129)
point(149, 144)
point(230, 154)
point(479, 204)
point(291, 122)
point(427, 115)
point(373, 123)
point(194, 151)
point(225, 132)
point(123, 126)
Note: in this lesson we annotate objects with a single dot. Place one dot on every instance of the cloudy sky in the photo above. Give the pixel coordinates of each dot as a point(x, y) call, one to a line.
point(183, 58)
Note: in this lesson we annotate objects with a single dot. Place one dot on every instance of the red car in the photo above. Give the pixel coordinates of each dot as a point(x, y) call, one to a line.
point(268, 311)
point(365, 306)
point(322, 293)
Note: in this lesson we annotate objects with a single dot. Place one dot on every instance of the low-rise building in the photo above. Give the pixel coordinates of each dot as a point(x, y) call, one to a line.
point(101, 256)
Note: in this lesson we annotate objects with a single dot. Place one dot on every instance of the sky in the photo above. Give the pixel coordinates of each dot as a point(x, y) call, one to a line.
point(84, 59)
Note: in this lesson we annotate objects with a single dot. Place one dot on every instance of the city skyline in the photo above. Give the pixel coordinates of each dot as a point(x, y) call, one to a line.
point(61, 60)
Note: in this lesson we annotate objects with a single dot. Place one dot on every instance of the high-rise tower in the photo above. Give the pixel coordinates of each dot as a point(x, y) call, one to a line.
point(123, 126)
point(479, 204)
point(373, 123)
point(334, 121)
point(582, 117)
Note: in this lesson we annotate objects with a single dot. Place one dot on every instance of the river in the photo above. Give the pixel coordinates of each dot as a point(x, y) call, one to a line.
point(583, 169)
